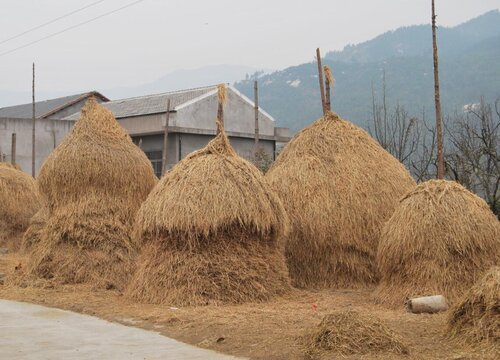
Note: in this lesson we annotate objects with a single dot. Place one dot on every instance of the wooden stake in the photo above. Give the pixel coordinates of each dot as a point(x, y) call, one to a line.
point(437, 100)
point(33, 124)
point(320, 78)
point(13, 150)
point(256, 108)
point(165, 139)
point(328, 103)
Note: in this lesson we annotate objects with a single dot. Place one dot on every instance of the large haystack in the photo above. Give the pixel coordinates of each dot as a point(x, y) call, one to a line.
point(33, 234)
point(210, 233)
point(93, 183)
point(348, 332)
point(476, 317)
point(338, 186)
point(439, 240)
point(19, 200)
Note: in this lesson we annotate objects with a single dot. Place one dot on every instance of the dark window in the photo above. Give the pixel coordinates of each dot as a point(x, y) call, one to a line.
point(156, 160)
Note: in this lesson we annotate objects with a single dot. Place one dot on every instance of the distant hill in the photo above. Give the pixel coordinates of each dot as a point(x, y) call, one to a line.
point(469, 69)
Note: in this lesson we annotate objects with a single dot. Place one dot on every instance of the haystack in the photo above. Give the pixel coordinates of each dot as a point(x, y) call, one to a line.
point(338, 186)
point(93, 183)
point(32, 235)
point(439, 240)
point(476, 316)
point(19, 201)
point(351, 333)
point(210, 233)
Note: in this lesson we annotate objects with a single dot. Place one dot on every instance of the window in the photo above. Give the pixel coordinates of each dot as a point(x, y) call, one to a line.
point(156, 160)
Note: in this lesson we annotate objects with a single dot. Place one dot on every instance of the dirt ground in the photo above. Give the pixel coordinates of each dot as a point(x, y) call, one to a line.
point(270, 330)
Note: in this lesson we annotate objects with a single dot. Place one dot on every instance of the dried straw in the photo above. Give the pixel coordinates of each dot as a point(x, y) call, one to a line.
point(222, 94)
point(350, 333)
point(329, 76)
point(439, 240)
point(476, 316)
point(338, 186)
point(210, 233)
point(32, 235)
point(19, 201)
point(93, 184)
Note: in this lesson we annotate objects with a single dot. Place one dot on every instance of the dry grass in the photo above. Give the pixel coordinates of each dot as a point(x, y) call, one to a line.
point(19, 201)
point(211, 233)
point(338, 186)
point(93, 184)
point(439, 240)
point(349, 332)
point(33, 234)
point(476, 317)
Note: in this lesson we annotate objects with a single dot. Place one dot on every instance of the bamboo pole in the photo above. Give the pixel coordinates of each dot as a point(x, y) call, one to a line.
point(320, 78)
point(437, 100)
point(222, 97)
point(256, 109)
point(165, 140)
point(13, 150)
point(33, 124)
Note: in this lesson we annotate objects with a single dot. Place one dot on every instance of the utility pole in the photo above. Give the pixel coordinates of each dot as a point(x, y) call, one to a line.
point(13, 150)
point(256, 108)
point(437, 100)
point(33, 124)
point(320, 78)
point(165, 140)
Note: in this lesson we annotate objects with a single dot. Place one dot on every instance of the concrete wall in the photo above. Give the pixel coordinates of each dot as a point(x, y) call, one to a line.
point(238, 115)
point(48, 134)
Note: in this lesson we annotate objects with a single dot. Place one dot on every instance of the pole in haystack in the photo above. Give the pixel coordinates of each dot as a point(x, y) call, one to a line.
point(13, 150)
point(320, 78)
point(222, 97)
point(165, 139)
point(437, 100)
point(329, 82)
point(33, 124)
point(256, 109)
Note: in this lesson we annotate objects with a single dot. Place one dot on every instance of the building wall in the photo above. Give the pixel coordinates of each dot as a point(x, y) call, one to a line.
point(238, 115)
point(48, 134)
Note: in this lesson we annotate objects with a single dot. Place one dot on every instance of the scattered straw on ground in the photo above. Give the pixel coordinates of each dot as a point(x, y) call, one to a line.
point(210, 233)
point(476, 317)
point(439, 240)
point(93, 183)
point(349, 332)
point(338, 186)
point(19, 201)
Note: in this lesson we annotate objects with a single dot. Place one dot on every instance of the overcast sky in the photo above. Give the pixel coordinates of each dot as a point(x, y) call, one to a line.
point(154, 37)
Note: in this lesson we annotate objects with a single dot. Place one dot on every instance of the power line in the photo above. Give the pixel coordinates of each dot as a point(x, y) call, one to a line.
point(70, 28)
point(51, 21)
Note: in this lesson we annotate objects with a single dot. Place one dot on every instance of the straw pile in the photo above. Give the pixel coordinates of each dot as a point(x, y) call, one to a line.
point(338, 186)
point(439, 240)
point(19, 200)
point(476, 317)
point(210, 232)
point(93, 184)
point(33, 234)
point(350, 333)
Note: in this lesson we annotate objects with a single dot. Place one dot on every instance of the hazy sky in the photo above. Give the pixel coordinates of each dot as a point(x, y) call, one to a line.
point(145, 41)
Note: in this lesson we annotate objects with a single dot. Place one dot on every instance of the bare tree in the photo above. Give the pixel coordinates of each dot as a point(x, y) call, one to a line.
point(474, 159)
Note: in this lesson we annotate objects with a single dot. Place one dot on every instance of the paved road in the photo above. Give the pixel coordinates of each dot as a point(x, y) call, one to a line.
point(30, 331)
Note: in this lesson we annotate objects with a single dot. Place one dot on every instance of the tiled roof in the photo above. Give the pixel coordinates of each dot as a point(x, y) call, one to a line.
point(151, 104)
point(44, 108)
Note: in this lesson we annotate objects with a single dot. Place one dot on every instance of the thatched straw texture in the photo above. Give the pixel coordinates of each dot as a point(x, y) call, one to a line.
point(32, 235)
point(439, 240)
point(338, 186)
point(93, 184)
point(350, 333)
point(476, 316)
point(19, 200)
point(210, 233)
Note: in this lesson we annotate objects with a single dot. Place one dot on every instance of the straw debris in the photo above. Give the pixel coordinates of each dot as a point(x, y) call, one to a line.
point(338, 186)
point(210, 233)
point(476, 316)
point(439, 240)
point(19, 200)
point(350, 333)
point(93, 184)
